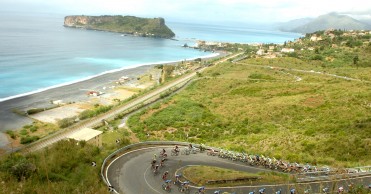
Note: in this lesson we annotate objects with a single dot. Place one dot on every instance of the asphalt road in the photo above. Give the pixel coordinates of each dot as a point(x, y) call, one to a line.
point(131, 174)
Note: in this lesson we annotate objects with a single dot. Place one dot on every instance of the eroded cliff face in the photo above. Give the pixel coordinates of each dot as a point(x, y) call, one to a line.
point(155, 27)
point(74, 21)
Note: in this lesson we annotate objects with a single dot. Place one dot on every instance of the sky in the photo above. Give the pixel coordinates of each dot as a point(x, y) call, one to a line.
point(264, 11)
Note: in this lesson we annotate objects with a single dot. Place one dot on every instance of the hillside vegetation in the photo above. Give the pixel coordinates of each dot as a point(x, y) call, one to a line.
point(65, 167)
point(246, 106)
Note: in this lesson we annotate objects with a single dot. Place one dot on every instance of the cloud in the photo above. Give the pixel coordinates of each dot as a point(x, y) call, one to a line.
point(206, 10)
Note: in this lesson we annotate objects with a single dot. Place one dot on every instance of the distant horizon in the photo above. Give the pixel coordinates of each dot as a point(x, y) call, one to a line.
point(192, 11)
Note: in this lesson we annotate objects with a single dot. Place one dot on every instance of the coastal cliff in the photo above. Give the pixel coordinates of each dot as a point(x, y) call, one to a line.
point(145, 27)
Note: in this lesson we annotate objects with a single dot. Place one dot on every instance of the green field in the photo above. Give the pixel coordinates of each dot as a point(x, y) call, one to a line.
point(320, 119)
point(200, 175)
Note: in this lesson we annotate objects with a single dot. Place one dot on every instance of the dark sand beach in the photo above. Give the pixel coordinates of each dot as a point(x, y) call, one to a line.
point(70, 93)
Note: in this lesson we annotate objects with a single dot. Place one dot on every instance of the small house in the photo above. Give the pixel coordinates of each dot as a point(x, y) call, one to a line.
point(287, 50)
point(88, 135)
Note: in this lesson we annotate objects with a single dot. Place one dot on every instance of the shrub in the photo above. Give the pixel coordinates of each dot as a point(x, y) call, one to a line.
point(11, 134)
point(29, 139)
point(86, 114)
point(66, 122)
point(23, 132)
point(317, 57)
point(34, 111)
point(34, 129)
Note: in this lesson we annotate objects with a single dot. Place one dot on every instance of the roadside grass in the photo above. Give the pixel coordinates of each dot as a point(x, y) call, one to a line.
point(200, 175)
point(32, 132)
point(320, 120)
point(63, 168)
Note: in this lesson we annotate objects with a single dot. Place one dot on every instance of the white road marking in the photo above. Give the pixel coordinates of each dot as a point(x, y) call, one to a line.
point(234, 187)
point(144, 175)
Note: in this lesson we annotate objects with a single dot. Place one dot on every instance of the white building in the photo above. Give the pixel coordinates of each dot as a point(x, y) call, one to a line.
point(260, 52)
point(287, 50)
point(88, 135)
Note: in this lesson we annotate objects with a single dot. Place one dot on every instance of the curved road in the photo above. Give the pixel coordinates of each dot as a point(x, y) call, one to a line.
point(131, 173)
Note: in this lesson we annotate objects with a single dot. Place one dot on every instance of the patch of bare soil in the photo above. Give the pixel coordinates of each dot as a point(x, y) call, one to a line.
point(314, 101)
point(150, 112)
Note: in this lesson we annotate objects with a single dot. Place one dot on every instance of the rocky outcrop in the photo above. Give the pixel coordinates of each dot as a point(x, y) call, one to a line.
point(147, 27)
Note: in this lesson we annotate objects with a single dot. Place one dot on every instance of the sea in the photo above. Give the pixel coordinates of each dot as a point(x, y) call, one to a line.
point(37, 53)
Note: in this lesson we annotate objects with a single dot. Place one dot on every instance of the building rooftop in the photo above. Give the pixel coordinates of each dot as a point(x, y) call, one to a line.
point(85, 134)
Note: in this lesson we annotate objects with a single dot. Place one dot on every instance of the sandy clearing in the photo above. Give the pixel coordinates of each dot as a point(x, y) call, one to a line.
point(53, 115)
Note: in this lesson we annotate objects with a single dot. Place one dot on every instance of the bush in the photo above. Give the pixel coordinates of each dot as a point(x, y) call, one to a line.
point(86, 114)
point(18, 166)
point(23, 132)
point(11, 134)
point(34, 111)
point(29, 139)
point(34, 129)
point(66, 122)
point(317, 57)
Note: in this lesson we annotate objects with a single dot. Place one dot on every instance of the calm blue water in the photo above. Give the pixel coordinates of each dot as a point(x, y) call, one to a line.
point(243, 33)
point(37, 52)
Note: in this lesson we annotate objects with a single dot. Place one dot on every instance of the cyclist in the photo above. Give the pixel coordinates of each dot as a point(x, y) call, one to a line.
point(341, 189)
point(326, 190)
point(156, 169)
point(184, 186)
point(292, 191)
point(167, 185)
point(177, 178)
point(176, 149)
point(163, 151)
point(262, 191)
point(154, 157)
point(201, 189)
point(202, 147)
point(162, 162)
point(164, 176)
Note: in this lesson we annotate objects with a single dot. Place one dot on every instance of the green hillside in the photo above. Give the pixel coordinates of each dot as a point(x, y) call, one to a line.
point(248, 107)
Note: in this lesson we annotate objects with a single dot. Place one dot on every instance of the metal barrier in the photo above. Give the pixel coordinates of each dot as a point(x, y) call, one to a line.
point(316, 176)
point(122, 150)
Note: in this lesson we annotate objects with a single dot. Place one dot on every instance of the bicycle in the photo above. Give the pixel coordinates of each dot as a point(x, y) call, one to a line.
point(184, 189)
point(186, 151)
point(201, 190)
point(174, 152)
point(166, 186)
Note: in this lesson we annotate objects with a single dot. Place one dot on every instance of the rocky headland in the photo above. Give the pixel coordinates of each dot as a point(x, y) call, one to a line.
point(145, 27)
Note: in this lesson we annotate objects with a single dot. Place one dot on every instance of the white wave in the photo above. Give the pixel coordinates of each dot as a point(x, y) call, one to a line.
point(97, 75)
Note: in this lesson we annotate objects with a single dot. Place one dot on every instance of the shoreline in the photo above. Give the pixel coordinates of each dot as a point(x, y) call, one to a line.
point(67, 92)
point(213, 55)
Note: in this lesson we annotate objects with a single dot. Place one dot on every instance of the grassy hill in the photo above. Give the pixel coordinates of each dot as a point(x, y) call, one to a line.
point(248, 107)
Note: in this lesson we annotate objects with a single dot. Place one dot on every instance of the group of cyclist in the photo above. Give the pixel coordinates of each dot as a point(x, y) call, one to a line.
point(184, 186)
